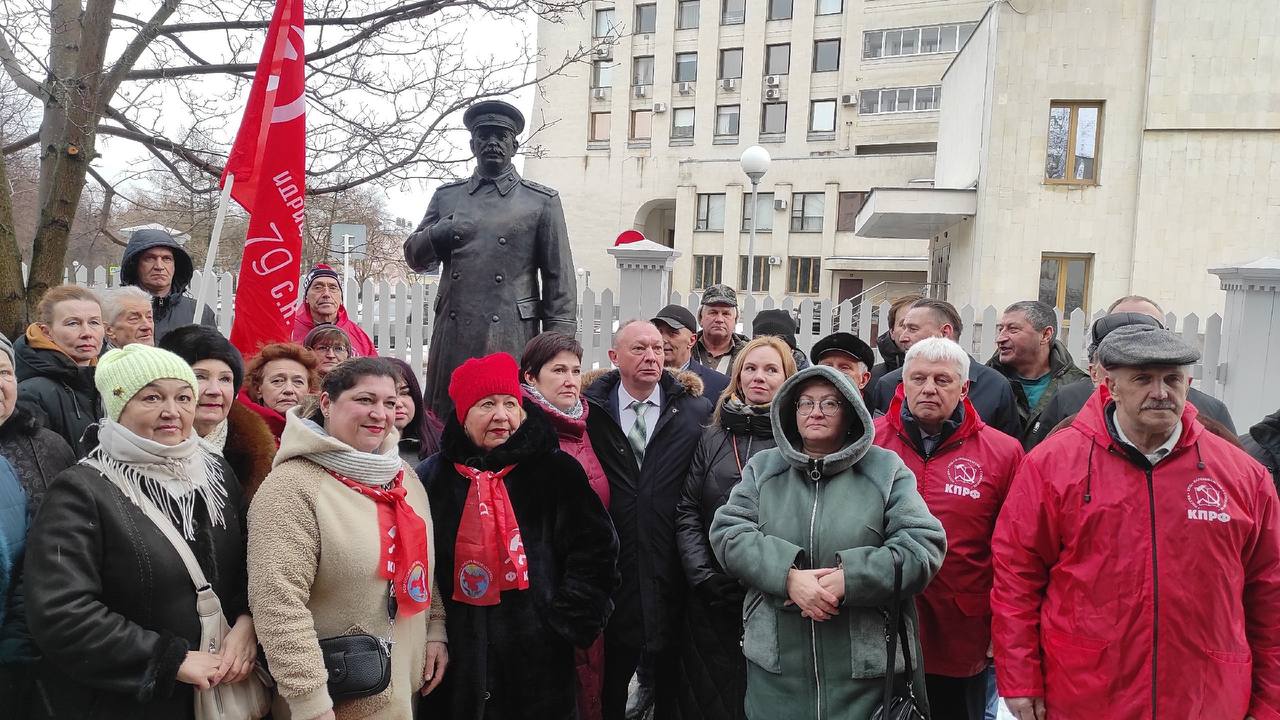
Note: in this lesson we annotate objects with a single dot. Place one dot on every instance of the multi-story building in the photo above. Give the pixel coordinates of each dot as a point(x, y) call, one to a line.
point(1092, 150)
point(844, 94)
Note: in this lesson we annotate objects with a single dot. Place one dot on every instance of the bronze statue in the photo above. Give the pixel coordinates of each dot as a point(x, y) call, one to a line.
point(508, 274)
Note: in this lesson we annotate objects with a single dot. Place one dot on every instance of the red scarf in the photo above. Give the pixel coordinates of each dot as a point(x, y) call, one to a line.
point(488, 556)
point(404, 543)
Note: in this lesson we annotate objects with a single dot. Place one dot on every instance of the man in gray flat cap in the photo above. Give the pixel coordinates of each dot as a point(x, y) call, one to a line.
point(1135, 556)
point(507, 271)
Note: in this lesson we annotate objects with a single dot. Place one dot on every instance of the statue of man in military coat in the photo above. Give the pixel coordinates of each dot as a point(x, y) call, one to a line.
point(508, 274)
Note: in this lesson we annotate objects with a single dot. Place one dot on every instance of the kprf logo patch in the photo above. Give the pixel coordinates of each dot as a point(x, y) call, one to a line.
point(1207, 500)
point(474, 580)
point(963, 478)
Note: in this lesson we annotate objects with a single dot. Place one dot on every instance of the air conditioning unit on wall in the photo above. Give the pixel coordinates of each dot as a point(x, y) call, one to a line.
point(775, 260)
point(773, 94)
point(640, 91)
point(686, 88)
point(849, 99)
point(772, 80)
point(659, 107)
point(600, 93)
point(729, 84)
point(604, 53)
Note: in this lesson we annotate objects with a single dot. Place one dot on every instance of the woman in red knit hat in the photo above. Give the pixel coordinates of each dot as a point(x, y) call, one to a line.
point(527, 556)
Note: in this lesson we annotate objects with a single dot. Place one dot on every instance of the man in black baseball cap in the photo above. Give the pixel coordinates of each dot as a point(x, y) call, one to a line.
point(847, 353)
point(677, 326)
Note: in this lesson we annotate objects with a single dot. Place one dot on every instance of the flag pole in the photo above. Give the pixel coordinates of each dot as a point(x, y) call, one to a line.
point(212, 253)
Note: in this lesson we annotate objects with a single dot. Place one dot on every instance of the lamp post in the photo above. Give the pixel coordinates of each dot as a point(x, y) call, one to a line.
point(585, 274)
point(755, 163)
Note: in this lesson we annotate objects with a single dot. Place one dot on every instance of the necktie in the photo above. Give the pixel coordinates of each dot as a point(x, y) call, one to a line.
point(640, 430)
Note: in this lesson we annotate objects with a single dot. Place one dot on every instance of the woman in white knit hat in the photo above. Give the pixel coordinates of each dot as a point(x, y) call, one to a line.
point(109, 600)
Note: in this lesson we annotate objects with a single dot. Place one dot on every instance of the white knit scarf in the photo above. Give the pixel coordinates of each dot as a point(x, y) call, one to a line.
point(216, 440)
point(171, 476)
point(373, 469)
point(574, 413)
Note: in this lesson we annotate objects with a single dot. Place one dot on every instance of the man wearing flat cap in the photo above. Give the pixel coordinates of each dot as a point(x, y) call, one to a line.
point(507, 272)
point(1135, 557)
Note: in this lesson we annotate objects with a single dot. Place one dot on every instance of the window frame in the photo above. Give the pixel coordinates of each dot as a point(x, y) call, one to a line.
point(676, 64)
point(635, 63)
point(703, 214)
point(693, 118)
point(720, 63)
point(724, 13)
point(826, 41)
point(799, 201)
point(631, 125)
point(591, 126)
point(612, 13)
point(764, 114)
point(797, 263)
point(760, 201)
point(767, 49)
point(700, 263)
point(1063, 259)
point(791, 9)
point(1074, 106)
point(863, 104)
point(953, 29)
point(817, 8)
point(813, 113)
point(652, 11)
point(738, 123)
point(697, 11)
point(607, 66)
point(760, 279)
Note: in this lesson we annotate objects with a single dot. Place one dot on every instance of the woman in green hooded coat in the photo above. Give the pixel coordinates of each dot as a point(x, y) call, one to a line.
point(809, 531)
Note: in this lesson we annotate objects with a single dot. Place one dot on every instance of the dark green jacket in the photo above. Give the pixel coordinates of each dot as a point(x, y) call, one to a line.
point(844, 510)
point(1062, 372)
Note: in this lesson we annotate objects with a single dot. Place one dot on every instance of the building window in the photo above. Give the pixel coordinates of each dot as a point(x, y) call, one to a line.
point(773, 118)
point(779, 9)
point(706, 271)
point(1064, 281)
point(826, 55)
point(686, 14)
point(777, 59)
point(830, 7)
point(806, 212)
point(599, 127)
point(1074, 130)
point(646, 19)
point(601, 74)
point(915, 41)
point(759, 275)
point(847, 211)
point(803, 274)
point(710, 212)
point(733, 12)
point(764, 210)
point(642, 70)
point(730, 63)
point(641, 124)
point(899, 100)
point(605, 23)
point(686, 67)
point(822, 116)
point(681, 123)
point(727, 119)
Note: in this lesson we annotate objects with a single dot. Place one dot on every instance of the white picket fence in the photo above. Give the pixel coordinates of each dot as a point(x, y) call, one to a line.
point(398, 317)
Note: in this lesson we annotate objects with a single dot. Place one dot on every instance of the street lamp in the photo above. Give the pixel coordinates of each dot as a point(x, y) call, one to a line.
point(585, 274)
point(755, 163)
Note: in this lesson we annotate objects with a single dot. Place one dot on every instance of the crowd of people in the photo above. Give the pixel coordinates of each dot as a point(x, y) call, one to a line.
point(719, 526)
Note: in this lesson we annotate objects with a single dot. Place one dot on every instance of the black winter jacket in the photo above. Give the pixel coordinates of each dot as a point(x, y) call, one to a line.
point(58, 393)
point(989, 391)
point(515, 659)
point(36, 453)
point(1070, 399)
point(713, 383)
point(890, 359)
point(1062, 372)
point(643, 502)
point(1263, 443)
point(177, 308)
point(110, 603)
point(711, 658)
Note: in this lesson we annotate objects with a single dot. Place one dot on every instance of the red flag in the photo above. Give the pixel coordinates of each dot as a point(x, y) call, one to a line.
point(269, 185)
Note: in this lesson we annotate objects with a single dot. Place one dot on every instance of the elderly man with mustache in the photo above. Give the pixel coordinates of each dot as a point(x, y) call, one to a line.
point(1135, 557)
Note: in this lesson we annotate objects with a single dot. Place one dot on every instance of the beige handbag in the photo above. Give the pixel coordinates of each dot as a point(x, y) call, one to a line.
point(247, 699)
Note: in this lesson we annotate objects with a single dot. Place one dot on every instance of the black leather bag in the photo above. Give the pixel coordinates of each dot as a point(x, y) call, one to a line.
point(895, 706)
point(359, 665)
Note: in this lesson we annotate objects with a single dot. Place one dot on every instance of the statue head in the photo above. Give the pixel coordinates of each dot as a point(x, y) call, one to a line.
point(494, 126)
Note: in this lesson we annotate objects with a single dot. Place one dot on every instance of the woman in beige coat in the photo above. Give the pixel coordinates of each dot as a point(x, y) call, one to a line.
point(339, 521)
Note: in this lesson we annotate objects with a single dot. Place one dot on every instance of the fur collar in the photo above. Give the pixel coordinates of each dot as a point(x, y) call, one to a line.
point(251, 450)
point(534, 438)
point(608, 379)
point(20, 422)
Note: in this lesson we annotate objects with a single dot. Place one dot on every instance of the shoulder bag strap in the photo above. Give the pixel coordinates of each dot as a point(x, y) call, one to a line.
point(890, 632)
point(170, 532)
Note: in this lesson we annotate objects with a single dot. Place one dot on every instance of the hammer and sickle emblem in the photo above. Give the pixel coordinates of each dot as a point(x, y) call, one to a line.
point(966, 473)
point(297, 106)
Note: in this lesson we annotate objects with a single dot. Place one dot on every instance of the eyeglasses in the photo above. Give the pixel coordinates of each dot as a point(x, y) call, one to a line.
point(829, 406)
point(331, 350)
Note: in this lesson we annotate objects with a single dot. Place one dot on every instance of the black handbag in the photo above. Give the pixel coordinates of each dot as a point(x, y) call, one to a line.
point(360, 665)
point(895, 706)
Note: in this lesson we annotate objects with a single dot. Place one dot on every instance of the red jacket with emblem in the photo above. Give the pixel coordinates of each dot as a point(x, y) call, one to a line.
point(1127, 591)
point(964, 483)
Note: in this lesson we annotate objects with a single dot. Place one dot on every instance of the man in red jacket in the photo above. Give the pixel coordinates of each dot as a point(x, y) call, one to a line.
point(1137, 558)
point(963, 469)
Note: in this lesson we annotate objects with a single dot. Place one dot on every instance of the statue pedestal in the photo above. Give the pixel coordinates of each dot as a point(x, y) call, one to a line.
point(1251, 334)
point(644, 277)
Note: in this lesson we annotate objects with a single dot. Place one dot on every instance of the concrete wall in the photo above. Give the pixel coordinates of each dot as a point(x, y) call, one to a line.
point(962, 120)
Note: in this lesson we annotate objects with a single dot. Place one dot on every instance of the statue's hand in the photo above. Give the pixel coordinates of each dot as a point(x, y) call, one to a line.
point(454, 229)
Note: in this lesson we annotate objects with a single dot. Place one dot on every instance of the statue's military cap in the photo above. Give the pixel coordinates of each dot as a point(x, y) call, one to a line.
point(494, 112)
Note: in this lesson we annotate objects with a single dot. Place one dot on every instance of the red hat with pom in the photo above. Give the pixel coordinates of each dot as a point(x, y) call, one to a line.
point(478, 378)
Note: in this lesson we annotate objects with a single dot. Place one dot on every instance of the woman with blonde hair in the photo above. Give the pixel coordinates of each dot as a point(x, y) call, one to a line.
point(740, 428)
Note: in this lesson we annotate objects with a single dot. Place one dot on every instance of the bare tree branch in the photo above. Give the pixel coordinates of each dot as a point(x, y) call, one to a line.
point(14, 69)
point(22, 144)
point(134, 50)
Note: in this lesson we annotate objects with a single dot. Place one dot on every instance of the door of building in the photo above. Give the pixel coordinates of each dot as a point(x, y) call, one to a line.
point(939, 269)
point(849, 288)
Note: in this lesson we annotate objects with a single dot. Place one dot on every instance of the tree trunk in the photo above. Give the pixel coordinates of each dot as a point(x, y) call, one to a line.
point(13, 317)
